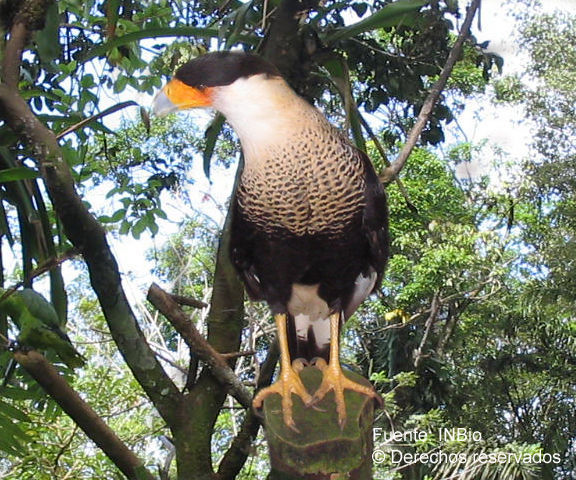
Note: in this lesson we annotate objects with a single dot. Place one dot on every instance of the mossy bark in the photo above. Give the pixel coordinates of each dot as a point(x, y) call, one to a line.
point(321, 450)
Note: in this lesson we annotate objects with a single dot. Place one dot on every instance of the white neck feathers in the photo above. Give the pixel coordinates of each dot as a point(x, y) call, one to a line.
point(263, 111)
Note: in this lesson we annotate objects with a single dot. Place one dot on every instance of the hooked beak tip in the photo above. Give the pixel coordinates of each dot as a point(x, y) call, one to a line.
point(162, 105)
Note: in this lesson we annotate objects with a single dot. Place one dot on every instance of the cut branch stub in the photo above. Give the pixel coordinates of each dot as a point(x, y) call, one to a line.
point(321, 449)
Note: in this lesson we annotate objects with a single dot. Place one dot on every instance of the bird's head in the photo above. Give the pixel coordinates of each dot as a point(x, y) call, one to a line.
point(222, 80)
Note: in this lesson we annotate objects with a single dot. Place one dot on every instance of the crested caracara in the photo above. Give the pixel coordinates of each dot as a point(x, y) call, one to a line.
point(309, 231)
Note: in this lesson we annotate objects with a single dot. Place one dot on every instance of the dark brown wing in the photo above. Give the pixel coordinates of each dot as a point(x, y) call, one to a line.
point(375, 220)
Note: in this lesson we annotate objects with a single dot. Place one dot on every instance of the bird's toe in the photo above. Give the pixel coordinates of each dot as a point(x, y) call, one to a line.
point(319, 363)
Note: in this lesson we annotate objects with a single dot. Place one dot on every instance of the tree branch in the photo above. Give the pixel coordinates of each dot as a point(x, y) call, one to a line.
point(384, 157)
point(98, 116)
point(87, 419)
point(434, 309)
point(394, 169)
point(189, 301)
point(216, 362)
point(13, 54)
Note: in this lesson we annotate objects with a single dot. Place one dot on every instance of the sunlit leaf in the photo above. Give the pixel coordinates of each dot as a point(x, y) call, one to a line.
point(401, 12)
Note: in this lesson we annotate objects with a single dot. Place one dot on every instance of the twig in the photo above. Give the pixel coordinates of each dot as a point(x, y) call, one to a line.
point(188, 301)
point(93, 118)
point(435, 307)
point(214, 360)
point(384, 157)
point(233, 355)
point(392, 171)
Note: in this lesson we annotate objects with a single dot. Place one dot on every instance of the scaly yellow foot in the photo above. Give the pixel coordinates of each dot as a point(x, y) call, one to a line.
point(289, 383)
point(334, 379)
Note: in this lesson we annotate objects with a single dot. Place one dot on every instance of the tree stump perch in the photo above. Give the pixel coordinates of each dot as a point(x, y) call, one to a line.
point(320, 450)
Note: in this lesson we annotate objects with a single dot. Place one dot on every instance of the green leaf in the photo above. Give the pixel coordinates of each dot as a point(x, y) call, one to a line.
point(124, 227)
point(139, 227)
point(121, 83)
point(17, 173)
point(9, 445)
point(117, 216)
point(13, 412)
point(11, 429)
point(4, 226)
point(163, 32)
point(402, 12)
point(153, 227)
point(360, 8)
point(17, 393)
point(211, 136)
point(340, 76)
point(87, 81)
point(47, 39)
point(238, 24)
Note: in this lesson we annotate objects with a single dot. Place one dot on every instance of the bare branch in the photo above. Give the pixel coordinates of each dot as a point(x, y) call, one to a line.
point(434, 309)
point(215, 361)
point(87, 419)
point(394, 169)
point(93, 118)
point(189, 301)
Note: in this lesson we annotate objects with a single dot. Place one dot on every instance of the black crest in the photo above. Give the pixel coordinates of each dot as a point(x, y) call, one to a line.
point(223, 68)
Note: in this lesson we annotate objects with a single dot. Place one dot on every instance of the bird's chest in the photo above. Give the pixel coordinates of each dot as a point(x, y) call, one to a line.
point(305, 189)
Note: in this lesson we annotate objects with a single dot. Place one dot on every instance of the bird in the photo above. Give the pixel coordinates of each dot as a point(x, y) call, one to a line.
point(309, 230)
point(39, 325)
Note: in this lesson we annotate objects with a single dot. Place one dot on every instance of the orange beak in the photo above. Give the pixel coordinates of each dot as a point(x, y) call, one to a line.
point(176, 95)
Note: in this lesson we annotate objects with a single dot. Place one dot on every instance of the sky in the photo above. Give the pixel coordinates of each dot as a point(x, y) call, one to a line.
point(501, 126)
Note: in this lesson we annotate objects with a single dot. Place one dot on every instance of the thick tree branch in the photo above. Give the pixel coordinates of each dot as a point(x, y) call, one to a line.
point(285, 46)
point(216, 362)
point(203, 403)
point(82, 414)
point(13, 55)
point(394, 169)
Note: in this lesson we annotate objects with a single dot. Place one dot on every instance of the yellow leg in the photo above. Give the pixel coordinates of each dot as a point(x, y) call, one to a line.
point(333, 377)
point(289, 382)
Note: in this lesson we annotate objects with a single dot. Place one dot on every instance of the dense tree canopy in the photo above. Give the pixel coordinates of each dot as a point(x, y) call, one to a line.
point(473, 327)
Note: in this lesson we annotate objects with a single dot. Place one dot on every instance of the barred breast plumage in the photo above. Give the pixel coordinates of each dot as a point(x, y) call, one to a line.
point(311, 183)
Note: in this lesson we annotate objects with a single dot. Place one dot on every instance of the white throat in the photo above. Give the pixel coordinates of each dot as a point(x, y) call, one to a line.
point(263, 111)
